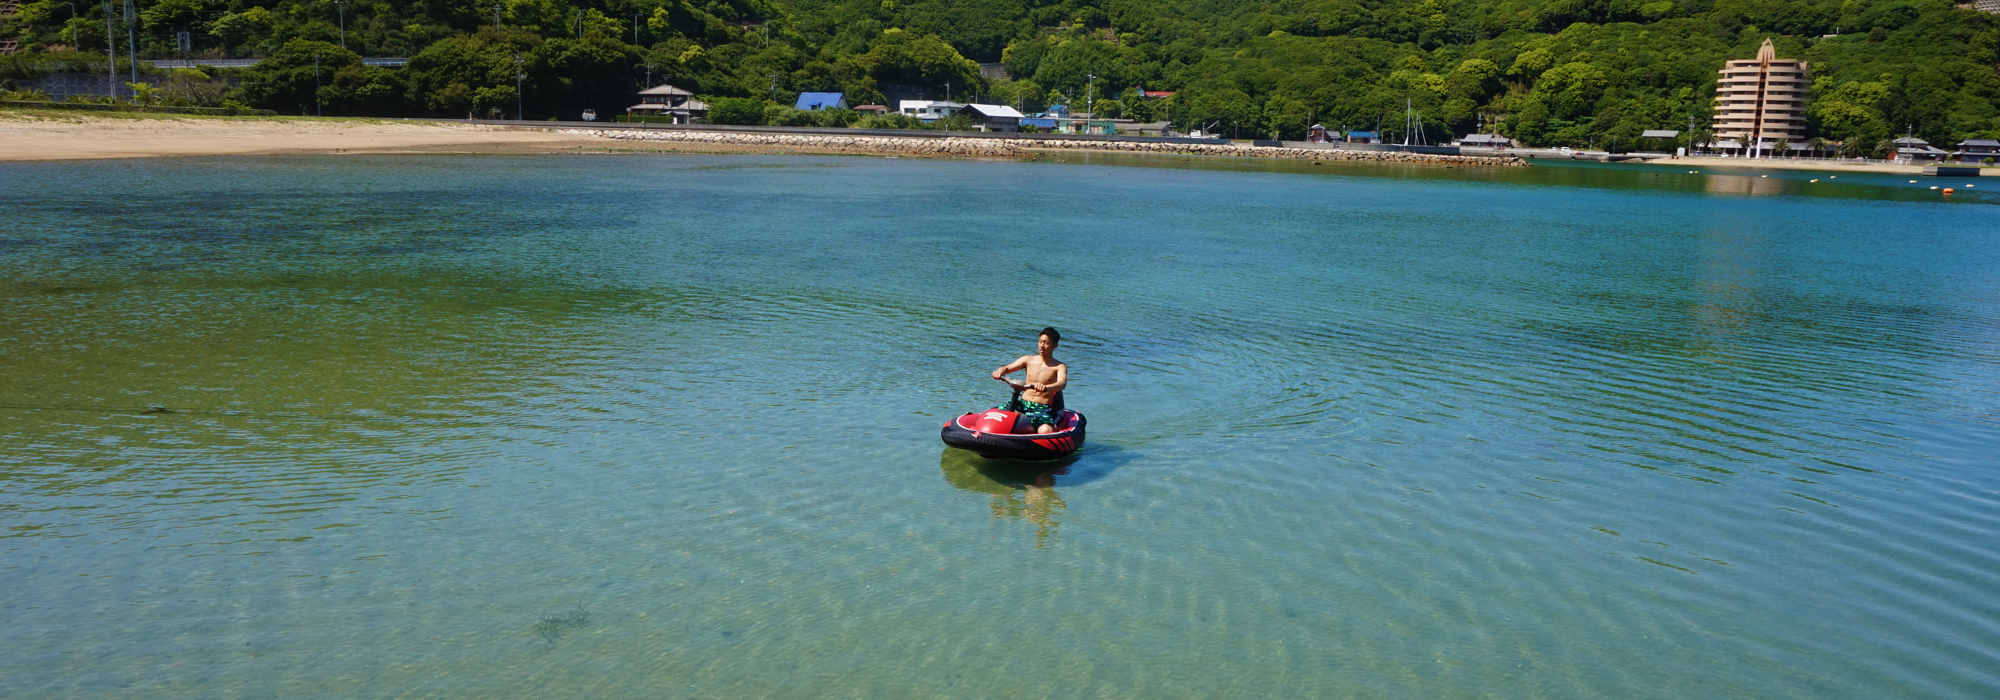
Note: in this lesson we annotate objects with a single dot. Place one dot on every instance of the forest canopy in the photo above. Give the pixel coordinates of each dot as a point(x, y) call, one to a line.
point(1546, 72)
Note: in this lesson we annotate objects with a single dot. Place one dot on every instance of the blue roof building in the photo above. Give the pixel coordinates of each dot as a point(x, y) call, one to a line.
point(821, 100)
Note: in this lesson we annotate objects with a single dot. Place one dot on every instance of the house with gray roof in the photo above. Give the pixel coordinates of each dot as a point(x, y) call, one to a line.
point(1977, 149)
point(1912, 149)
point(993, 117)
point(1486, 141)
point(669, 101)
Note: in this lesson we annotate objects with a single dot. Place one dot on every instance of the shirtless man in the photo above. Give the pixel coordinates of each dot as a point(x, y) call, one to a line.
point(1046, 377)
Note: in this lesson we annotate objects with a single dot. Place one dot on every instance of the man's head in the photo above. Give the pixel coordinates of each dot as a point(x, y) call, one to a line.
point(1046, 342)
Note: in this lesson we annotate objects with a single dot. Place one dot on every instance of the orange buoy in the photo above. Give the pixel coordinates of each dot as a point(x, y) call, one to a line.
point(1947, 191)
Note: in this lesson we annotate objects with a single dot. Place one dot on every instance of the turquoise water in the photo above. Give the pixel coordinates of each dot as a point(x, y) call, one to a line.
point(666, 426)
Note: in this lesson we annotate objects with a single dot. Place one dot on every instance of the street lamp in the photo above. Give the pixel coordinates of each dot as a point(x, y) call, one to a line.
point(341, 10)
point(1089, 98)
point(132, 39)
point(72, 23)
point(111, 50)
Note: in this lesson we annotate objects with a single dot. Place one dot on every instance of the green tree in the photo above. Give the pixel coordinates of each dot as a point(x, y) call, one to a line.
point(285, 81)
point(1852, 112)
point(498, 102)
point(901, 57)
point(143, 93)
point(735, 110)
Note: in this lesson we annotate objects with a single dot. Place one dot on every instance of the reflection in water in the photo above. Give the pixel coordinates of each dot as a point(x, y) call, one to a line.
point(1025, 490)
point(1747, 184)
point(1724, 281)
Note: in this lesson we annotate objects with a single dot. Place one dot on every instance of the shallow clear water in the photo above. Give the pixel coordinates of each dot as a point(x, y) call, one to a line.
point(665, 426)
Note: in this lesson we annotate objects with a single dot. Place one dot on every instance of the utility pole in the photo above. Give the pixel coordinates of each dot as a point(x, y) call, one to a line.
point(519, 99)
point(1089, 98)
point(132, 39)
point(774, 87)
point(341, 8)
point(635, 29)
point(579, 25)
point(317, 111)
point(111, 49)
point(72, 23)
point(496, 15)
point(649, 76)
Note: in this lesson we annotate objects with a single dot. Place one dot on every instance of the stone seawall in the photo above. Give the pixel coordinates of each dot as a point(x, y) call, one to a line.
point(1014, 148)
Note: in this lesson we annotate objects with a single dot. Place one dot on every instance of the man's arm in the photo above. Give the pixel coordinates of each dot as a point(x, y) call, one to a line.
point(1062, 380)
point(1011, 367)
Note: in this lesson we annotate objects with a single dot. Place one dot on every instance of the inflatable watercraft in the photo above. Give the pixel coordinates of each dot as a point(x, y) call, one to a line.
point(1001, 434)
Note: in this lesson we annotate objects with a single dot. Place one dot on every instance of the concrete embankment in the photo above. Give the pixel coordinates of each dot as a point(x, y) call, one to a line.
point(990, 147)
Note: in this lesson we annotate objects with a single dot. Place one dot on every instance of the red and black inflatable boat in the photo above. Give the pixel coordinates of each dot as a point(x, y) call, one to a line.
point(1001, 434)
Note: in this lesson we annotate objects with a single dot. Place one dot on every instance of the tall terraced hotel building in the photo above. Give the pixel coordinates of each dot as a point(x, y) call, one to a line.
point(1762, 100)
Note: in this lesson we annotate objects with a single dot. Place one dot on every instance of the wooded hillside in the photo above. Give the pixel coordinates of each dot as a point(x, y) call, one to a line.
point(1548, 72)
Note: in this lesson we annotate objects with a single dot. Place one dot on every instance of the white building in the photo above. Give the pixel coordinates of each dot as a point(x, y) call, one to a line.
point(928, 110)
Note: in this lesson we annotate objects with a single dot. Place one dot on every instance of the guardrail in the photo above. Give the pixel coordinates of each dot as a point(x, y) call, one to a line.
point(248, 62)
point(158, 109)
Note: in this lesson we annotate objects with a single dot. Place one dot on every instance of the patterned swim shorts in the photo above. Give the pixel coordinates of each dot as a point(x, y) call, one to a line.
point(1036, 413)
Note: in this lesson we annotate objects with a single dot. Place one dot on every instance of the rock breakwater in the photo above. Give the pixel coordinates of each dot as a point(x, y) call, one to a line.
point(961, 147)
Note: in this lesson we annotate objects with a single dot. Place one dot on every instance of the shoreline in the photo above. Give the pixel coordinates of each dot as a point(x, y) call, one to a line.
point(47, 136)
point(989, 147)
point(1787, 164)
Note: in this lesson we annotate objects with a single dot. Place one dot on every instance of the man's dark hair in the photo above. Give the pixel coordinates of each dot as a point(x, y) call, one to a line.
point(1054, 337)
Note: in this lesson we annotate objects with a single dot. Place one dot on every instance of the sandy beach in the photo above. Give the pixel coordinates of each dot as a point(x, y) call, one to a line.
point(48, 135)
point(28, 135)
point(56, 135)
